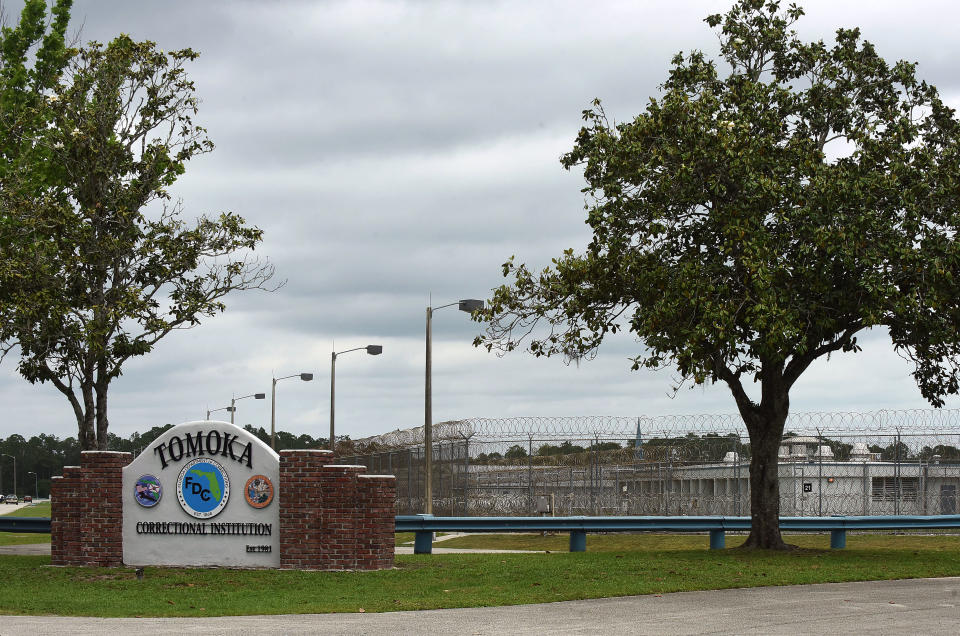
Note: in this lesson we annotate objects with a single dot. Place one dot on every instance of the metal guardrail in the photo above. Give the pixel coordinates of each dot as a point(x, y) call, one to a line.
point(24, 524)
point(425, 525)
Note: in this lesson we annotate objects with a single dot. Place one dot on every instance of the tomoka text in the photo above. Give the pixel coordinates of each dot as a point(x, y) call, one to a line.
point(200, 443)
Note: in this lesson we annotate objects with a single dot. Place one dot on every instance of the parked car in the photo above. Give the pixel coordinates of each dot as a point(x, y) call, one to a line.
point(11, 499)
point(27, 499)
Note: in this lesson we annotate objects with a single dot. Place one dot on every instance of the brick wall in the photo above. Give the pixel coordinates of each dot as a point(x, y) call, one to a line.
point(333, 517)
point(375, 541)
point(300, 498)
point(86, 512)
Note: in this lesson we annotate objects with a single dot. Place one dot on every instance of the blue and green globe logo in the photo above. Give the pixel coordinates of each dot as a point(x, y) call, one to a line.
point(203, 488)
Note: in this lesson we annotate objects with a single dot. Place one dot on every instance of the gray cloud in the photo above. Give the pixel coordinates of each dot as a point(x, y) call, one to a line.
point(391, 150)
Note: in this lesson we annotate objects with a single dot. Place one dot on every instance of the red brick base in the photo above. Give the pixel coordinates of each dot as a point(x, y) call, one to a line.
point(334, 517)
point(86, 515)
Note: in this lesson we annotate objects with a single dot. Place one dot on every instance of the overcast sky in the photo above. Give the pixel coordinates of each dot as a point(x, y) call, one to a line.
point(394, 150)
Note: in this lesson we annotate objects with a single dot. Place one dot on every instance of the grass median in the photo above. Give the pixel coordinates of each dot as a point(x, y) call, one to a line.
point(41, 509)
point(456, 580)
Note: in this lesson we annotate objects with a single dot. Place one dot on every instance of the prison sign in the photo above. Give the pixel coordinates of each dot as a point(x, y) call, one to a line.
point(203, 493)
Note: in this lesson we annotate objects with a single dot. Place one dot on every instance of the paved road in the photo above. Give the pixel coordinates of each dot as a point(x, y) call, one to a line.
point(920, 606)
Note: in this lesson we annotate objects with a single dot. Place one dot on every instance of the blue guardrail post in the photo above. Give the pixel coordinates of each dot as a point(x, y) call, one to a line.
point(578, 541)
point(718, 540)
point(838, 539)
point(423, 539)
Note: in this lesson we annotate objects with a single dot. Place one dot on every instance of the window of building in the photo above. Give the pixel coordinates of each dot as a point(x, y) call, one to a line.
point(885, 488)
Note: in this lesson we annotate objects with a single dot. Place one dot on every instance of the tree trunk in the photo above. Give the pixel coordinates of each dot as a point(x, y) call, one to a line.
point(87, 434)
point(765, 440)
point(765, 423)
point(102, 422)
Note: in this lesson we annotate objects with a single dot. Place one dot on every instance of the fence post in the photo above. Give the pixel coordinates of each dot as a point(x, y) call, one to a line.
point(820, 474)
point(409, 477)
point(439, 473)
point(530, 474)
point(896, 472)
point(466, 476)
point(740, 474)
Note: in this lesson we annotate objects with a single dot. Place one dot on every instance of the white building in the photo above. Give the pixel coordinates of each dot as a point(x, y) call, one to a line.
point(812, 483)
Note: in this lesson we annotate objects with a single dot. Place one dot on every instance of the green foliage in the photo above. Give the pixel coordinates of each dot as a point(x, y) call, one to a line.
point(694, 448)
point(563, 449)
point(759, 214)
point(946, 452)
point(898, 451)
point(604, 446)
point(486, 458)
point(33, 54)
point(120, 267)
point(284, 440)
point(43, 454)
point(516, 452)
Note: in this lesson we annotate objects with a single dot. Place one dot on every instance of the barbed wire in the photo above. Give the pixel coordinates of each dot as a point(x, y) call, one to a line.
point(910, 422)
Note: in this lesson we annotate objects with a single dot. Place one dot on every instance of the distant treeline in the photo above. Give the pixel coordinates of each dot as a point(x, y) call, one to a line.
point(46, 455)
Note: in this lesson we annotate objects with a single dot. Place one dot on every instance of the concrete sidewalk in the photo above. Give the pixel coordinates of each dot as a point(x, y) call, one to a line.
point(920, 606)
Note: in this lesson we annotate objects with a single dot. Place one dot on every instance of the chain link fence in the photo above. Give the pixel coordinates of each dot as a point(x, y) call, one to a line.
point(883, 462)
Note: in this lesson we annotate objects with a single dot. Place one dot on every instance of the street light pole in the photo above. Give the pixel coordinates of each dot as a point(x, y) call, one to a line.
point(428, 421)
point(233, 402)
point(333, 392)
point(373, 350)
point(36, 485)
point(306, 377)
point(468, 305)
point(222, 408)
point(14, 471)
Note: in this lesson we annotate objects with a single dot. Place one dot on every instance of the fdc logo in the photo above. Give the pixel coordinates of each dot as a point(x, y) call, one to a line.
point(203, 488)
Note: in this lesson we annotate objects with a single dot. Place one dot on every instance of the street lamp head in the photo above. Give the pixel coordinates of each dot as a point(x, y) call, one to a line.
point(470, 305)
point(374, 350)
point(306, 377)
point(259, 396)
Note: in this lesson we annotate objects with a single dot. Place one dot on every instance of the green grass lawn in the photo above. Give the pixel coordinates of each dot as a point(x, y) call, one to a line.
point(462, 580)
point(401, 538)
point(41, 509)
point(22, 538)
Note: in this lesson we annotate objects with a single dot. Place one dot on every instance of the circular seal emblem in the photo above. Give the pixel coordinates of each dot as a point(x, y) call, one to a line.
point(147, 491)
point(203, 488)
point(258, 491)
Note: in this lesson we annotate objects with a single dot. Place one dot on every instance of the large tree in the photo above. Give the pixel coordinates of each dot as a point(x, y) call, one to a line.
point(110, 266)
point(763, 211)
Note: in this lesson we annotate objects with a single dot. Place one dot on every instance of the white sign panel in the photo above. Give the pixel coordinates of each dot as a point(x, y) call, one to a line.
point(203, 493)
